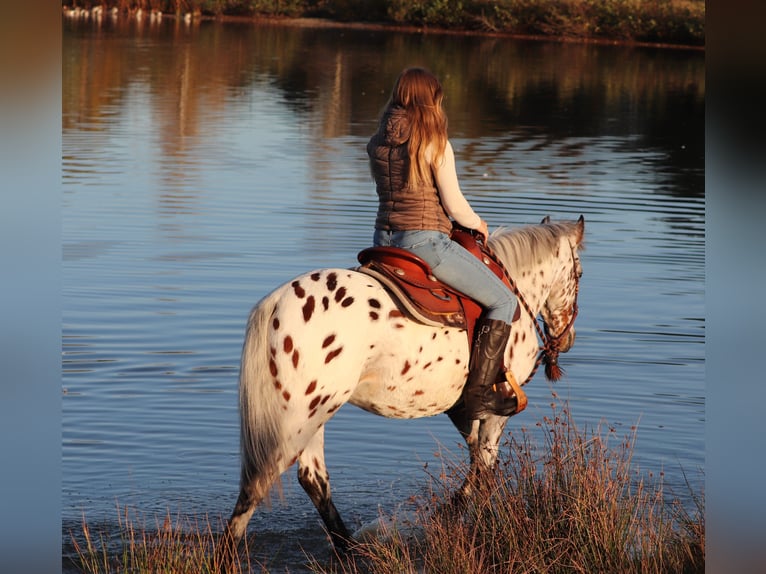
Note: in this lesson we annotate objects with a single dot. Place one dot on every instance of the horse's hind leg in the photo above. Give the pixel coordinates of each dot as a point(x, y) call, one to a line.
point(315, 480)
point(250, 495)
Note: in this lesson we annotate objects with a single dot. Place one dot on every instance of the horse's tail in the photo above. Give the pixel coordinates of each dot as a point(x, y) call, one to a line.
point(260, 436)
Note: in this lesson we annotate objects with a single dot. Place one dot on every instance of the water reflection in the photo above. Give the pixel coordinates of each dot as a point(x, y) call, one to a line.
point(338, 81)
point(513, 106)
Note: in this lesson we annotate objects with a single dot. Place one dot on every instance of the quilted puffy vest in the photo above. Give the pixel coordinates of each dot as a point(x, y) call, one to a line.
point(402, 207)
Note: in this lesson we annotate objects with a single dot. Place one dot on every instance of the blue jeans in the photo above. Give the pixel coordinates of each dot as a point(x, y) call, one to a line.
point(455, 266)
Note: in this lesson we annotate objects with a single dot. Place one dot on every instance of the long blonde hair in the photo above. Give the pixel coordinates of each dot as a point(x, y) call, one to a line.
point(419, 92)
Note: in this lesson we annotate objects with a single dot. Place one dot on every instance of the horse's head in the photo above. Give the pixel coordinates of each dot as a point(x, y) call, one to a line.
point(559, 311)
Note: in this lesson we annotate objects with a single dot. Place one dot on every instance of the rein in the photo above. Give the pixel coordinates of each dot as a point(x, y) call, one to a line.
point(550, 348)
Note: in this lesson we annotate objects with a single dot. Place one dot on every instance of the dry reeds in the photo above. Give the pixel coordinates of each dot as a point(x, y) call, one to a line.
point(574, 504)
point(176, 546)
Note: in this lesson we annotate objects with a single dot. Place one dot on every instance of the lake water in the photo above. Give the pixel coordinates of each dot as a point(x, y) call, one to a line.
point(204, 165)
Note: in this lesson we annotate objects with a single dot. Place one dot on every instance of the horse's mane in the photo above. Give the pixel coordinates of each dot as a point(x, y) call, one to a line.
point(524, 247)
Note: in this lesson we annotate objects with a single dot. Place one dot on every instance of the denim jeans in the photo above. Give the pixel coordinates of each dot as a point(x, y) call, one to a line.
point(455, 266)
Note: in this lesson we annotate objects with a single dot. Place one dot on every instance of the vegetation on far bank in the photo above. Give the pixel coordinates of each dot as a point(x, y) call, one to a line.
point(574, 504)
point(678, 22)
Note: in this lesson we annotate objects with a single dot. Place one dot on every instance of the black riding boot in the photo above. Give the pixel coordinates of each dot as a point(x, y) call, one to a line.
point(480, 398)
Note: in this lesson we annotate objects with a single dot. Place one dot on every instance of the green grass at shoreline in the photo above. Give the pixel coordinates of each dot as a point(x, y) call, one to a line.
point(668, 22)
point(572, 501)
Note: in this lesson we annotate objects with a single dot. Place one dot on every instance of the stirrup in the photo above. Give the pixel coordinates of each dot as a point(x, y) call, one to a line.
point(511, 388)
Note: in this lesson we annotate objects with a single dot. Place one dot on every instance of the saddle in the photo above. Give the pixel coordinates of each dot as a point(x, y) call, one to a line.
point(421, 295)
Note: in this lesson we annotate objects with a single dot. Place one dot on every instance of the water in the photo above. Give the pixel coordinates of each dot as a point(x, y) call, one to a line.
point(204, 165)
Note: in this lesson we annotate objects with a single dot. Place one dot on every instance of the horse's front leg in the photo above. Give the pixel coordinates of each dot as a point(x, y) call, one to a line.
point(490, 431)
point(315, 480)
point(482, 438)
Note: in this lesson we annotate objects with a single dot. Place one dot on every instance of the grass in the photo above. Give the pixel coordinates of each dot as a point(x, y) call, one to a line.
point(576, 504)
point(561, 500)
point(176, 546)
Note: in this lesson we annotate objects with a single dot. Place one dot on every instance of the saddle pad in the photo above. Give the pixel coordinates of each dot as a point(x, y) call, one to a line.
point(409, 280)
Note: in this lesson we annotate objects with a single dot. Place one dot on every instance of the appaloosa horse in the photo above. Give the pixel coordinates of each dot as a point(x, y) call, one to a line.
point(335, 336)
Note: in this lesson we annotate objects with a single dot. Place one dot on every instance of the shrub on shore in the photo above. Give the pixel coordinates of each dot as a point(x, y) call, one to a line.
point(651, 21)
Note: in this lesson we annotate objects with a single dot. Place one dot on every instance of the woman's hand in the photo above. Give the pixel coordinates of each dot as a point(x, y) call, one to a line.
point(483, 229)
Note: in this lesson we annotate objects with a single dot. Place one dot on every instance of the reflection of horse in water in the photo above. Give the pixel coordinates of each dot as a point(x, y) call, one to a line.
point(335, 336)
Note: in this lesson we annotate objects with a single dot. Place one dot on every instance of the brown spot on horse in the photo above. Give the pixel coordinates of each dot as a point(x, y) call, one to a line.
point(300, 292)
point(332, 354)
point(308, 308)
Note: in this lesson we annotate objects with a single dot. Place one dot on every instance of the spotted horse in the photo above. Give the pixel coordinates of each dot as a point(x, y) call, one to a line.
point(335, 336)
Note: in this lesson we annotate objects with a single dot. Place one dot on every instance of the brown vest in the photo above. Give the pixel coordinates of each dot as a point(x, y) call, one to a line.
point(401, 207)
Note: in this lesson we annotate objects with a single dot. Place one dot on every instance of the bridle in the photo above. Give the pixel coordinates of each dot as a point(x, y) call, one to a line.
point(551, 346)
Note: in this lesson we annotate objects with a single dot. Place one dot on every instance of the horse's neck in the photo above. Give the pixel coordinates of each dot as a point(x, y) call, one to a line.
point(534, 286)
point(535, 279)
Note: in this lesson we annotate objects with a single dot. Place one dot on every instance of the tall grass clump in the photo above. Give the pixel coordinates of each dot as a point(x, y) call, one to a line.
point(574, 503)
point(180, 545)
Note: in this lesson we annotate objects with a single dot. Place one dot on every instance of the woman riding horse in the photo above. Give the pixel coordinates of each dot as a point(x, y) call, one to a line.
point(413, 165)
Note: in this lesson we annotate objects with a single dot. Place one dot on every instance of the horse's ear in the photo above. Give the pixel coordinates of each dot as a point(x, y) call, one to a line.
point(580, 229)
point(546, 220)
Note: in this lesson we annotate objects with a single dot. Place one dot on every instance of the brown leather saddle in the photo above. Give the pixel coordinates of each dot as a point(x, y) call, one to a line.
point(421, 295)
